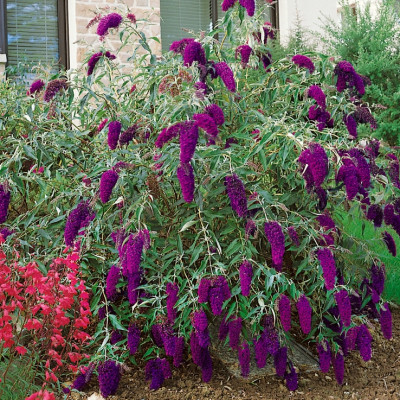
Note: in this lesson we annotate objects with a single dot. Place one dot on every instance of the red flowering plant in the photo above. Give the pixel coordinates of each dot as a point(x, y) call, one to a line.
point(43, 321)
point(218, 198)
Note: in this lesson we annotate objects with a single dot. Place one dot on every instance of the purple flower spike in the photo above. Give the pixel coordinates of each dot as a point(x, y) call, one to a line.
point(390, 243)
point(36, 86)
point(338, 366)
point(227, 4)
point(304, 62)
point(274, 234)
point(324, 352)
point(215, 112)
point(111, 283)
point(375, 214)
point(186, 180)
point(133, 338)
point(294, 236)
point(53, 87)
point(194, 52)
point(157, 370)
point(107, 182)
point(280, 361)
point(203, 290)
point(305, 311)
point(291, 377)
point(168, 134)
point(179, 46)
point(318, 95)
point(225, 73)
point(249, 5)
point(223, 329)
point(207, 123)
point(179, 348)
point(109, 21)
point(246, 275)
point(172, 298)
point(394, 169)
point(237, 194)
point(5, 197)
point(363, 341)
point(244, 359)
point(78, 219)
point(386, 321)
point(245, 52)
point(235, 327)
point(285, 312)
point(109, 377)
point(188, 140)
point(351, 125)
point(128, 135)
point(114, 129)
point(343, 302)
point(328, 266)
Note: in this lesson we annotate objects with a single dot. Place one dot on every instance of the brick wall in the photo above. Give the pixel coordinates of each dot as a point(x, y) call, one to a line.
point(85, 39)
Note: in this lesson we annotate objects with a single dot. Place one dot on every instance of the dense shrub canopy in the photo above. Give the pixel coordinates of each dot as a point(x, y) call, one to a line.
point(202, 184)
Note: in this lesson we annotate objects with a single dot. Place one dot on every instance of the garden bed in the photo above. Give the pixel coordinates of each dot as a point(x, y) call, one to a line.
point(377, 379)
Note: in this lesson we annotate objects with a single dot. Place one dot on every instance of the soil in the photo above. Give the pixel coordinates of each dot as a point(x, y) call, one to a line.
point(377, 379)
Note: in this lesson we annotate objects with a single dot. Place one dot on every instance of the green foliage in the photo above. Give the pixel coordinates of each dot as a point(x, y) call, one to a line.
point(371, 42)
point(204, 238)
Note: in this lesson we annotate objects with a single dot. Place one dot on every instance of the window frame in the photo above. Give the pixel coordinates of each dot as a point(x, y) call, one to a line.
point(63, 39)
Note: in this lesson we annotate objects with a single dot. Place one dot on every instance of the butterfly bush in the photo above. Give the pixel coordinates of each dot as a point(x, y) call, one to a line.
point(234, 191)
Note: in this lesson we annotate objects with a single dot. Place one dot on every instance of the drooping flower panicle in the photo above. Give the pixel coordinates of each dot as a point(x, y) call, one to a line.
point(275, 236)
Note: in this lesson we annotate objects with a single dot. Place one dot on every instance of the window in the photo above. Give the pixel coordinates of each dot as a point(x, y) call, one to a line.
point(34, 31)
point(196, 15)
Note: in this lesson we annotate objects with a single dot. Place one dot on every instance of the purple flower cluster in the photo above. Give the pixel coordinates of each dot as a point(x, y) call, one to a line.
point(305, 313)
point(267, 343)
point(189, 135)
point(227, 4)
point(351, 125)
point(294, 236)
point(201, 89)
point(102, 125)
point(5, 233)
point(245, 52)
point(244, 359)
point(179, 46)
point(316, 161)
point(304, 62)
point(201, 357)
point(237, 194)
point(172, 298)
point(386, 321)
point(322, 117)
point(5, 197)
point(324, 353)
point(194, 52)
point(225, 73)
point(363, 342)
point(95, 58)
point(186, 180)
point(127, 135)
point(285, 312)
point(53, 87)
point(375, 214)
point(200, 324)
point(280, 361)
point(107, 182)
point(394, 169)
point(215, 291)
point(246, 275)
point(78, 219)
point(133, 338)
point(318, 95)
point(109, 21)
point(275, 236)
point(338, 366)
point(207, 123)
point(249, 5)
point(343, 302)
point(109, 377)
point(111, 282)
point(36, 86)
point(363, 115)
point(83, 377)
point(234, 329)
point(156, 371)
point(116, 337)
point(348, 174)
point(362, 166)
point(378, 274)
point(291, 377)
point(390, 243)
point(347, 78)
point(250, 229)
point(328, 265)
point(215, 112)
point(114, 129)
point(168, 134)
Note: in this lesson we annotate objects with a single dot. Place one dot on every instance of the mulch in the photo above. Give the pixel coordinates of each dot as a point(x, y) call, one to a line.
point(376, 379)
